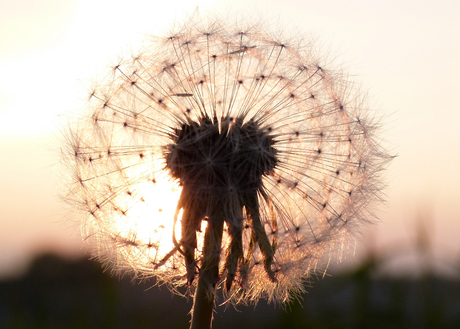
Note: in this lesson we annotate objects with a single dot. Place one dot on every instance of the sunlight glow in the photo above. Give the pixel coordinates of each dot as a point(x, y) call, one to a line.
point(143, 235)
point(150, 218)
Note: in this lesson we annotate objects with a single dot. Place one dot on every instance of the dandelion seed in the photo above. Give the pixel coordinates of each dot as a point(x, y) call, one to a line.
point(225, 158)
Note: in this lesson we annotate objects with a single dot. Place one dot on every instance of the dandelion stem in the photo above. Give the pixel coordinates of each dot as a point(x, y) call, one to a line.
point(209, 275)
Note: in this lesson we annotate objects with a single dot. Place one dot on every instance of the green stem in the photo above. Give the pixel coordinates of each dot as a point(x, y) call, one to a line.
point(209, 275)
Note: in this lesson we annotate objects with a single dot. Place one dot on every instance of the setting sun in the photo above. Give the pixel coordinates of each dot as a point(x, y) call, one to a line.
point(148, 219)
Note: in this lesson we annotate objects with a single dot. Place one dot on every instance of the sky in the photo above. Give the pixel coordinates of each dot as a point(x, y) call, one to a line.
point(403, 53)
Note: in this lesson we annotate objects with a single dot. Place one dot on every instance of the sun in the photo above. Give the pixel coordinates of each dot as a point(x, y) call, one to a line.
point(143, 222)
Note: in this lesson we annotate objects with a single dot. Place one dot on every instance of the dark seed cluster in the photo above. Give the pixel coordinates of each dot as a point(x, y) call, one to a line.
point(218, 159)
point(207, 153)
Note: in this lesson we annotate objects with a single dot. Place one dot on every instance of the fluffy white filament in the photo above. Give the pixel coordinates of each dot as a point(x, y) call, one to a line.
point(326, 175)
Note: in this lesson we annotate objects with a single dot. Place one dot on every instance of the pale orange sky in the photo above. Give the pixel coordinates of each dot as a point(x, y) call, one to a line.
point(404, 53)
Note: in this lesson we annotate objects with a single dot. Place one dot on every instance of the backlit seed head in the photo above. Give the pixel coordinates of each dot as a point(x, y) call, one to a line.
point(217, 122)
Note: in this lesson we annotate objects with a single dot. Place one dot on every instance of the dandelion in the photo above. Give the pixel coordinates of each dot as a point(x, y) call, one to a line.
point(221, 157)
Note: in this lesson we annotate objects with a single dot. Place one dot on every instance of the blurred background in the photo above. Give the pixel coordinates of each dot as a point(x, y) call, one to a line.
point(404, 272)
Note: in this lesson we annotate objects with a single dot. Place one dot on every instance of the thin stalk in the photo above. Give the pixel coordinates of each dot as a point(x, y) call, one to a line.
point(209, 275)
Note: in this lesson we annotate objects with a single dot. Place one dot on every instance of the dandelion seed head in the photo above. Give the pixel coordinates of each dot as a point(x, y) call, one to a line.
point(217, 122)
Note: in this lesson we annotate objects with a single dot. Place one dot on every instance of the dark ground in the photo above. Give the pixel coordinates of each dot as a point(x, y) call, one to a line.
point(58, 293)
